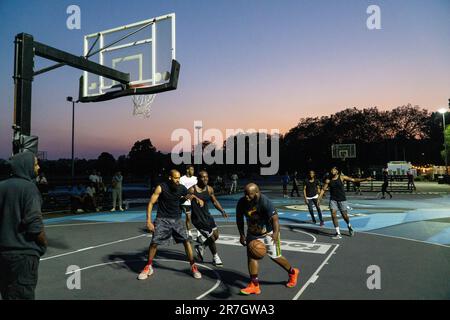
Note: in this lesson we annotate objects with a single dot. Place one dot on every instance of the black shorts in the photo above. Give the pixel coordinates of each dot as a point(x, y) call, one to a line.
point(165, 228)
point(18, 276)
point(206, 227)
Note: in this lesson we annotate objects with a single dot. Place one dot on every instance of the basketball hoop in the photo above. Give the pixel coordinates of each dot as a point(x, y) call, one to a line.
point(142, 103)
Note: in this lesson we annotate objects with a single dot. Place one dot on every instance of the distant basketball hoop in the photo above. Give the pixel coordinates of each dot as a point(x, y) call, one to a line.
point(343, 151)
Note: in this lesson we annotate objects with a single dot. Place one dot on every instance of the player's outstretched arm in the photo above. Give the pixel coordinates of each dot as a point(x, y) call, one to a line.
point(216, 202)
point(345, 178)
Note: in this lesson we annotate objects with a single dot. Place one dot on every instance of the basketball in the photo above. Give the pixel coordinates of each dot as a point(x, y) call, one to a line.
point(257, 249)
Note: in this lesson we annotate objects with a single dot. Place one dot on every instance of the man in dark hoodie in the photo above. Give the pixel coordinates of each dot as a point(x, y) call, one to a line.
point(22, 237)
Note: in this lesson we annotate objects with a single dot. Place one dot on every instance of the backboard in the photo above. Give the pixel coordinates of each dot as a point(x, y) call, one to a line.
point(146, 50)
point(343, 151)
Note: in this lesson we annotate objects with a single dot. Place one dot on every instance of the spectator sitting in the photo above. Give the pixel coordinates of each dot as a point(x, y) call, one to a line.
point(89, 198)
point(77, 198)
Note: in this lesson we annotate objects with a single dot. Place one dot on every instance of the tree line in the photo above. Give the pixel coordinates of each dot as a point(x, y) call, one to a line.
point(404, 133)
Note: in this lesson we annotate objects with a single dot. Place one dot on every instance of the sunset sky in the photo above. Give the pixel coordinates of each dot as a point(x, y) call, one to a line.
point(244, 64)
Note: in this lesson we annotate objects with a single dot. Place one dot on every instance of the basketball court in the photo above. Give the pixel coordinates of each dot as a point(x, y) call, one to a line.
point(109, 250)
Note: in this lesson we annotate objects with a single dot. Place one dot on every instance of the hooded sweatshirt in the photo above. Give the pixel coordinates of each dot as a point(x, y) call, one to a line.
point(20, 208)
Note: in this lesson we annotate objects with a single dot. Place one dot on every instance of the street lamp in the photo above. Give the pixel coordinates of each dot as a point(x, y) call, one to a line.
point(70, 99)
point(443, 111)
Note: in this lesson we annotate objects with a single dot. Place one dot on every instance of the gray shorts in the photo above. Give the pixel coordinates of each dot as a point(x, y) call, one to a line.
point(342, 206)
point(165, 228)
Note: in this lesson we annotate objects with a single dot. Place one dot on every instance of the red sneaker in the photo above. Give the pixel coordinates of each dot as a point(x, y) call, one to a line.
point(293, 278)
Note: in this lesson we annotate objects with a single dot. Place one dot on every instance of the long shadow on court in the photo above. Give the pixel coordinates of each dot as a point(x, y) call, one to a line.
point(231, 279)
point(57, 244)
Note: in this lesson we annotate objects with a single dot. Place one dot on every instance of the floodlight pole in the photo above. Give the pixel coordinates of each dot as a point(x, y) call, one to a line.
point(445, 144)
point(70, 99)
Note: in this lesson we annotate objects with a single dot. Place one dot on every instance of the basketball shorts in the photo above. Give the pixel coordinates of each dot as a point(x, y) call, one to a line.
point(166, 228)
point(342, 206)
point(206, 227)
point(273, 249)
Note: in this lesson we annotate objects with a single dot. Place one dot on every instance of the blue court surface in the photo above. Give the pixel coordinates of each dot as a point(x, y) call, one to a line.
point(422, 219)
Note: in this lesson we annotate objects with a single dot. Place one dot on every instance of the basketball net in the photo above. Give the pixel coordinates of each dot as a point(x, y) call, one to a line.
point(142, 104)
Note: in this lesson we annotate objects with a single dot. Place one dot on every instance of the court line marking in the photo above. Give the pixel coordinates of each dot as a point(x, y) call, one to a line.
point(223, 226)
point(94, 247)
point(79, 224)
point(395, 237)
point(281, 227)
point(216, 285)
point(315, 275)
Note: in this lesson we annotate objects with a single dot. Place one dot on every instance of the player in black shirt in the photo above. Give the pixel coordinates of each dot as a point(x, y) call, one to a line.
point(202, 219)
point(338, 200)
point(311, 192)
point(168, 223)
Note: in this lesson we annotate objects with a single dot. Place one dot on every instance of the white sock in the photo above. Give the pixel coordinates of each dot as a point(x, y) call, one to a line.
point(216, 256)
point(349, 225)
point(338, 231)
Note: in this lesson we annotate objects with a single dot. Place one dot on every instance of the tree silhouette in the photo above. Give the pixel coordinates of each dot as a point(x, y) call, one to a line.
point(143, 158)
point(106, 163)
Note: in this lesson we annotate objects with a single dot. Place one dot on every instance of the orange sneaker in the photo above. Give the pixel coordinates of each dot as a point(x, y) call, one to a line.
point(251, 289)
point(293, 278)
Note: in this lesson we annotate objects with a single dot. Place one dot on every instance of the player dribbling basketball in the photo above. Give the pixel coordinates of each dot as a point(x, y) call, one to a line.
point(262, 225)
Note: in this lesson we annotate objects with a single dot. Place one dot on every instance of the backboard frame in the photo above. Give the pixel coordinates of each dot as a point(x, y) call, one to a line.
point(343, 151)
point(107, 92)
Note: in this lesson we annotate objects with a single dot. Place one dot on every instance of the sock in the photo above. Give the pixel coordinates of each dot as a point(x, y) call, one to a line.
point(338, 231)
point(349, 226)
point(192, 262)
point(254, 279)
point(216, 256)
point(150, 262)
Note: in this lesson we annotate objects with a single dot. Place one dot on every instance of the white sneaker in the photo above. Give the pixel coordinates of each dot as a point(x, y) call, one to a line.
point(121, 209)
point(148, 271)
point(337, 237)
point(216, 261)
point(113, 209)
